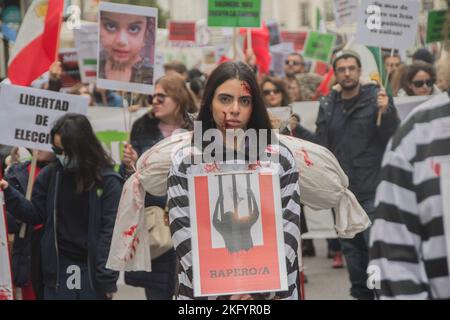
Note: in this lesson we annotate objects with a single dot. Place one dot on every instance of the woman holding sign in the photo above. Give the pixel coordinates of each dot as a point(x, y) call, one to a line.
point(76, 198)
point(233, 101)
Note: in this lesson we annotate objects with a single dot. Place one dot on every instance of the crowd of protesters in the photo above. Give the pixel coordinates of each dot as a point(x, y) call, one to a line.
point(393, 170)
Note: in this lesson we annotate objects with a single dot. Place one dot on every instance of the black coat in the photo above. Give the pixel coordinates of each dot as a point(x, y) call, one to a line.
point(103, 204)
point(17, 176)
point(363, 144)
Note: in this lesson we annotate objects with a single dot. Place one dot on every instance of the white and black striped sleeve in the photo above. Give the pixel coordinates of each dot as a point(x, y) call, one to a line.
point(395, 239)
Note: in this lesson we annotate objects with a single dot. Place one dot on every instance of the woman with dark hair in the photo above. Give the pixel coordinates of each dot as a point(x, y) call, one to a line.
point(419, 80)
point(233, 101)
point(274, 92)
point(172, 107)
point(76, 199)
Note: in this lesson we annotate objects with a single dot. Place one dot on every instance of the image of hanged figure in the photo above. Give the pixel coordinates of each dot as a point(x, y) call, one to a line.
point(233, 225)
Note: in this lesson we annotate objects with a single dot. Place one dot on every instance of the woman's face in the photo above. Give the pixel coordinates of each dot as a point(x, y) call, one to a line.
point(272, 96)
point(164, 107)
point(421, 84)
point(122, 36)
point(232, 105)
point(294, 90)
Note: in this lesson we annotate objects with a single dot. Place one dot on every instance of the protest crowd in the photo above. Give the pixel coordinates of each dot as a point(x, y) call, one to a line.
point(179, 196)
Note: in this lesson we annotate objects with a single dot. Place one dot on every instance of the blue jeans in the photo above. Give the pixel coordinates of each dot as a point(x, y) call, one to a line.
point(83, 292)
point(356, 252)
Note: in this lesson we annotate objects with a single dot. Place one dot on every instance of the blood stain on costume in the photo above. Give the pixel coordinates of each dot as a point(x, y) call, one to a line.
point(130, 232)
point(306, 158)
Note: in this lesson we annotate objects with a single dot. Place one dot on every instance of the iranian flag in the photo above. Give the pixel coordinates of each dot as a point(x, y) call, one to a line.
point(37, 42)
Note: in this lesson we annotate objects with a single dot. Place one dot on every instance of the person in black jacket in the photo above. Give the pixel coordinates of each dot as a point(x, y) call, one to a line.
point(347, 125)
point(26, 255)
point(172, 105)
point(76, 198)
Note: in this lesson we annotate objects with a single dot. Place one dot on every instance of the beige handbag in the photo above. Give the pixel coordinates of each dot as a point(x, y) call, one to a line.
point(158, 231)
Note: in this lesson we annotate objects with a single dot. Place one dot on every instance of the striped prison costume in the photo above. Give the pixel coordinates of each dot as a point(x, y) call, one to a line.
point(408, 236)
point(178, 197)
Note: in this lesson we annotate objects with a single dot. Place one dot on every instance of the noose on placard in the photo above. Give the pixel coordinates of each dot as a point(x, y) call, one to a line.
point(235, 194)
point(249, 200)
point(221, 198)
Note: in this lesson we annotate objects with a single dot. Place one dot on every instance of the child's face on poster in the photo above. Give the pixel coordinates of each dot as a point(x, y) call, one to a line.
point(123, 36)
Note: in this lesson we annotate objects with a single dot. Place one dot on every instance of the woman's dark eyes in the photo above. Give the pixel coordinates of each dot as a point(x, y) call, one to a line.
point(134, 29)
point(110, 26)
point(225, 99)
point(246, 101)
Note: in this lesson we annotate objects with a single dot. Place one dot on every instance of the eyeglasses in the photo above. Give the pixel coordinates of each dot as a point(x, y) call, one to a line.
point(271, 91)
point(420, 83)
point(159, 97)
point(342, 70)
point(57, 150)
point(293, 63)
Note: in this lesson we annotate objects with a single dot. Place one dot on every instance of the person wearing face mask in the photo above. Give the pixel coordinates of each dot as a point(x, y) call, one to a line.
point(76, 199)
point(172, 106)
point(26, 255)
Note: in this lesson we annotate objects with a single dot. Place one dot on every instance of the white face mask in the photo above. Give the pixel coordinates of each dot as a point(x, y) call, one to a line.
point(66, 163)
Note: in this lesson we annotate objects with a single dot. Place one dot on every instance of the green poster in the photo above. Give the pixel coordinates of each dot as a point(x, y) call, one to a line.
point(319, 46)
point(436, 25)
point(237, 13)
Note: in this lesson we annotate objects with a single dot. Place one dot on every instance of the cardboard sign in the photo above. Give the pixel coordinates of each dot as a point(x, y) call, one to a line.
point(345, 11)
point(238, 13)
point(319, 46)
point(274, 32)
point(109, 127)
point(388, 24)
point(126, 54)
point(438, 23)
point(70, 71)
point(6, 288)
point(297, 38)
point(27, 114)
point(320, 224)
point(280, 53)
point(182, 31)
point(237, 242)
point(86, 42)
point(445, 190)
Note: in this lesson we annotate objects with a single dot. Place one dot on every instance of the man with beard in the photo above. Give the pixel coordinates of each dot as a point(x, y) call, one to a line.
point(347, 125)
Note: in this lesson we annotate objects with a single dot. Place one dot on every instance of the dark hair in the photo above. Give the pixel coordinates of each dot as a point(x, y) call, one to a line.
point(423, 55)
point(346, 56)
point(81, 145)
point(296, 116)
point(411, 72)
point(176, 66)
point(281, 86)
point(259, 118)
point(295, 54)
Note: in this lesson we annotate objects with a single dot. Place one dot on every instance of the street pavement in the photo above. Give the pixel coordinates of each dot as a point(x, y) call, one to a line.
point(324, 282)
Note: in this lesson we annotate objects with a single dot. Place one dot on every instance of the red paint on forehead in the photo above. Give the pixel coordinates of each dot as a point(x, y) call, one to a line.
point(246, 88)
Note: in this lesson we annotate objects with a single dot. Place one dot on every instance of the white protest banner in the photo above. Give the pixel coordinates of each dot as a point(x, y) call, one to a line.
point(320, 224)
point(345, 11)
point(445, 189)
point(237, 233)
point(279, 116)
point(388, 24)
point(109, 127)
point(126, 59)
point(308, 110)
point(279, 53)
point(28, 114)
point(6, 288)
point(86, 42)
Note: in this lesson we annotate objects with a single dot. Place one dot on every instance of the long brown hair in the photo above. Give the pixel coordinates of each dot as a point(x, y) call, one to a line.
point(175, 87)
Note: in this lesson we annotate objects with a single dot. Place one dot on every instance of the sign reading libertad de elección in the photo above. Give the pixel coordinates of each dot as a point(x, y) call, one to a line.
point(238, 13)
point(27, 114)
